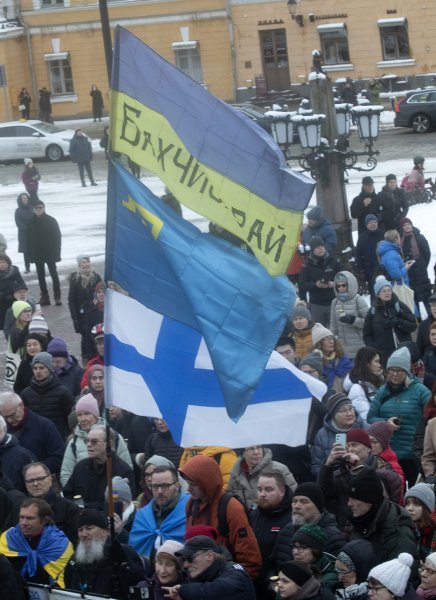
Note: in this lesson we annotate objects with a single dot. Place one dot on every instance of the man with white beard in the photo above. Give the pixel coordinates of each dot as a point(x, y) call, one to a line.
point(99, 565)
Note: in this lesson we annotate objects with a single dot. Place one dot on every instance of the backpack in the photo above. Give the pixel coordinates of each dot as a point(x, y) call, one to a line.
point(223, 526)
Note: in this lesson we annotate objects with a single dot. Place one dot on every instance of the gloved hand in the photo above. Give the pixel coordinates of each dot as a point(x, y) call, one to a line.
point(347, 319)
point(116, 552)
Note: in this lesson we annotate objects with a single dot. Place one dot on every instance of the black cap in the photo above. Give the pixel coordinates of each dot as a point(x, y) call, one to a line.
point(195, 544)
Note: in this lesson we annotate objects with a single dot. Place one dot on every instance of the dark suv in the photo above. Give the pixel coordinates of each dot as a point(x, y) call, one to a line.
point(417, 110)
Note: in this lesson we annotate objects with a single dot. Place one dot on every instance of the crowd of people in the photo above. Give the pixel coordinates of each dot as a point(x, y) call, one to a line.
point(349, 514)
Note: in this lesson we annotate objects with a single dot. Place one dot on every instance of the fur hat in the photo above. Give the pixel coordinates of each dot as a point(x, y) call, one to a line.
point(313, 491)
point(424, 493)
point(88, 403)
point(311, 535)
point(57, 347)
point(43, 358)
point(366, 487)
point(380, 283)
point(400, 359)
point(382, 431)
point(297, 571)
point(394, 574)
point(360, 436)
point(319, 332)
point(314, 360)
point(315, 214)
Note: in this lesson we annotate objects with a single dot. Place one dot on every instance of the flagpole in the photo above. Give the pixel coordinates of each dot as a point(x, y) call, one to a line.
point(107, 39)
point(110, 497)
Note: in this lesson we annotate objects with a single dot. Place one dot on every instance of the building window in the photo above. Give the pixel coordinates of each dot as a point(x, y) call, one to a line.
point(51, 2)
point(188, 59)
point(394, 39)
point(60, 74)
point(334, 44)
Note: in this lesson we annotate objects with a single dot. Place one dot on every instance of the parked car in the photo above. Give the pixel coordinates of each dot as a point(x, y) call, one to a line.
point(255, 113)
point(417, 110)
point(33, 139)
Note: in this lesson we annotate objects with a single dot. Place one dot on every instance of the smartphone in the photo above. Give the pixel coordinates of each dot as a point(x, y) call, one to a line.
point(341, 438)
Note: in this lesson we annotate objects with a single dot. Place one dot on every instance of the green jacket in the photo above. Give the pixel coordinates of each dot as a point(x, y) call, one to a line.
point(326, 567)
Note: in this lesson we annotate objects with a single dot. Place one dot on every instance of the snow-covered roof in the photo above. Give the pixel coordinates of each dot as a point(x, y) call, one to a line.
point(8, 25)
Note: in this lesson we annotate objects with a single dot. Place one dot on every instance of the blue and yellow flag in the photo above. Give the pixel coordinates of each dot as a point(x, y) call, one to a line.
point(168, 265)
point(211, 157)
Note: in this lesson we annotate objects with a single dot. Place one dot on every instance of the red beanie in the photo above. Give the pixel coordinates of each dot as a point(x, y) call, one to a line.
point(206, 530)
point(360, 436)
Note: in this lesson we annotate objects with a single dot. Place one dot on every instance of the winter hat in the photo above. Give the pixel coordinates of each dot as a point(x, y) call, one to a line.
point(91, 516)
point(314, 360)
point(315, 213)
point(57, 347)
point(404, 221)
point(20, 285)
point(159, 461)
point(382, 431)
point(38, 337)
point(28, 161)
point(380, 283)
point(413, 348)
point(390, 177)
point(199, 542)
point(366, 487)
point(367, 180)
point(38, 325)
point(359, 556)
point(38, 203)
point(88, 403)
point(424, 493)
point(313, 491)
point(81, 257)
point(311, 535)
point(170, 547)
point(360, 436)
point(206, 530)
point(400, 359)
point(394, 574)
point(369, 218)
point(297, 571)
point(6, 258)
point(315, 242)
point(121, 487)
point(18, 306)
point(319, 332)
point(43, 358)
point(301, 310)
point(431, 558)
point(336, 402)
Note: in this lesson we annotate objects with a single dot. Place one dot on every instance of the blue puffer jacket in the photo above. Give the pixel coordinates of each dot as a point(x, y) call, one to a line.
point(392, 261)
point(324, 441)
point(324, 229)
point(408, 406)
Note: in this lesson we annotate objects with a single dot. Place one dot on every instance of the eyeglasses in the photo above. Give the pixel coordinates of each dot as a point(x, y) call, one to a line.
point(299, 547)
point(162, 486)
point(395, 371)
point(374, 589)
point(346, 410)
point(93, 442)
point(36, 480)
point(341, 573)
point(429, 571)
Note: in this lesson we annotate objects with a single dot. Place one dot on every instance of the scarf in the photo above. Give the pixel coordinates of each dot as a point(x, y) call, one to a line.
point(309, 589)
point(53, 551)
point(146, 535)
point(363, 523)
point(410, 246)
point(425, 593)
point(20, 425)
point(87, 279)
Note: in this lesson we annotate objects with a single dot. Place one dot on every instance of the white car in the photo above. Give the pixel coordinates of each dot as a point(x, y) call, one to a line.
point(33, 139)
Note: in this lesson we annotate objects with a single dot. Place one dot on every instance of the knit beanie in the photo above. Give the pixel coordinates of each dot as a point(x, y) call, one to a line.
point(313, 491)
point(315, 242)
point(159, 461)
point(390, 177)
point(359, 556)
point(121, 487)
point(28, 161)
point(314, 214)
point(18, 306)
point(366, 487)
point(431, 558)
point(314, 360)
point(57, 347)
point(394, 574)
point(301, 310)
point(413, 348)
point(38, 337)
point(170, 547)
point(81, 257)
point(18, 286)
point(382, 431)
point(360, 436)
point(88, 403)
point(367, 180)
point(319, 332)
point(369, 218)
point(92, 516)
point(207, 530)
point(38, 325)
point(311, 535)
point(404, 221)
point(380, 283)
point(424, 493)
point(336, 402)
point(297, 571)
point(43, 358)
point(400, 359)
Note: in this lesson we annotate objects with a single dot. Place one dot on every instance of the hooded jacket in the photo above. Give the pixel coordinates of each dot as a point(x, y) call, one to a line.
point(392, 261)
point(225, 457)
point(13, 458)
point(349, 334)
point(323, 229)
point(240, 540)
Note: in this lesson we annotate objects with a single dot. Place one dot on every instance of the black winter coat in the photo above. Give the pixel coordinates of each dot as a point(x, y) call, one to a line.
point(80, 149)
point(423, 337)
point(44, 239)
point(380, 322)
point(429, 360)
point(8, 280)
point(71, 375)
point(394, 207)
point(313, 270)
point(13, 458)
point(41, 436)
point(51, 400)
point(358, 210)
point(80, 299)
point(89, 480)
point(365, 252)
point(23, 214)
point(163, 444)
point(12, 586)
point(418, 276)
